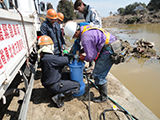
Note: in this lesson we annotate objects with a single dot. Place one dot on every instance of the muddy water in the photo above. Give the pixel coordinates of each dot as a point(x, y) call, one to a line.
point(141, 76)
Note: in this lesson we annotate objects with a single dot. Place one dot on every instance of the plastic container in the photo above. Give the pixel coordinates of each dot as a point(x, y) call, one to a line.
point(76, 74)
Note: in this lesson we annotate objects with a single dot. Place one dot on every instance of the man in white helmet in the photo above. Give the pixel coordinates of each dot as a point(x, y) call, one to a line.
point(52, 79)
point(94, 41)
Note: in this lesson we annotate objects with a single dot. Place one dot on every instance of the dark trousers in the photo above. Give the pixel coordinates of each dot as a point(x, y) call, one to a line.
point(64, 85)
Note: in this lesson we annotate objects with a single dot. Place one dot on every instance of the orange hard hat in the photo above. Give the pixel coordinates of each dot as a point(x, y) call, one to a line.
point(45, 40)
point(51, 14)
point(60, 16)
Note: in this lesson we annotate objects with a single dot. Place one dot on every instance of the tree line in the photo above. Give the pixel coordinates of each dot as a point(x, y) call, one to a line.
point(153, 5)
point(67, 8)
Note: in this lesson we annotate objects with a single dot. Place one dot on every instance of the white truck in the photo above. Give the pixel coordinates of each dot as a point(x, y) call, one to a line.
point(19, 25)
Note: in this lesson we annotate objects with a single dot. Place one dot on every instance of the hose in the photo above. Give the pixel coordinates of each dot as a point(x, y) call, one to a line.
point(125, 112)
point(121, 107)
point(90, 81)
point(103, 113)
point(89, 109)
point(131, 116)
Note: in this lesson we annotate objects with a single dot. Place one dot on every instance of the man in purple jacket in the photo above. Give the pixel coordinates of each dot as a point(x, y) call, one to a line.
point(94, 41)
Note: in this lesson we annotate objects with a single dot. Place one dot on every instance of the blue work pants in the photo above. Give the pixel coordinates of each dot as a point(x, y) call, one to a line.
point(102, 66)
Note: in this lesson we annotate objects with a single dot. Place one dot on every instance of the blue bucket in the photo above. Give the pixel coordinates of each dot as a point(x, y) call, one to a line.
point(76, 74)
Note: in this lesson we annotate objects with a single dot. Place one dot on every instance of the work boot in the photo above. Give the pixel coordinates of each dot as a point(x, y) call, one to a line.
point(59, 100)
point(68, 96)
point(103, 94)
point(67, 93)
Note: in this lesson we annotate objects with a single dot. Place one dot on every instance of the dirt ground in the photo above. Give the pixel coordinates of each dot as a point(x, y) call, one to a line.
point(41, 106)
point(74, 109)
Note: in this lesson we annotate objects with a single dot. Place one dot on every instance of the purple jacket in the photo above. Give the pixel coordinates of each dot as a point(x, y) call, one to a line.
point(93, 41)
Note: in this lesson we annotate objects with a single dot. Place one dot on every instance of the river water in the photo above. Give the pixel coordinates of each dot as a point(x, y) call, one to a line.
point(141, 76)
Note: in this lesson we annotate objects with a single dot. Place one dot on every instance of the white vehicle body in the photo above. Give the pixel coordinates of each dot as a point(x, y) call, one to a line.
point(18, 37)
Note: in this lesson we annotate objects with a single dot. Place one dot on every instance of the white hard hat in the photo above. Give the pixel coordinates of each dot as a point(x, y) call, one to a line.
point(70, 28)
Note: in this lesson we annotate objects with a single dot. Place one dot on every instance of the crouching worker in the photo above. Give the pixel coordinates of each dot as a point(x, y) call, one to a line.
point(94, 41)
point(51, 66)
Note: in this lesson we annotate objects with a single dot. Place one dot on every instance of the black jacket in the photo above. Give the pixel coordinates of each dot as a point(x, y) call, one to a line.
point(55, 33)
point(51, 66)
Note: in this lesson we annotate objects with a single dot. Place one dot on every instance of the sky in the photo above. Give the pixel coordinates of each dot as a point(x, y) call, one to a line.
point(104, 7)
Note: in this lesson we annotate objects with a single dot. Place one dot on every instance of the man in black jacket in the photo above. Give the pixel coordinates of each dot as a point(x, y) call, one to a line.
point(52, 78)
point(51, 29)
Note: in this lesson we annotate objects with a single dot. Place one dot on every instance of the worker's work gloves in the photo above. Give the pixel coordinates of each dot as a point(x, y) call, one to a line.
point(81, 57)
point(65, 52)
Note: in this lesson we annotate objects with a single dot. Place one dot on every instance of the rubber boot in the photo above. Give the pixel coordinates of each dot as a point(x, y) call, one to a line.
point(59, 100)
point(103, 94)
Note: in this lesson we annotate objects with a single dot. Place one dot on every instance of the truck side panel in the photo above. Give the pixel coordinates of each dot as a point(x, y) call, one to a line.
point(13, 47)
